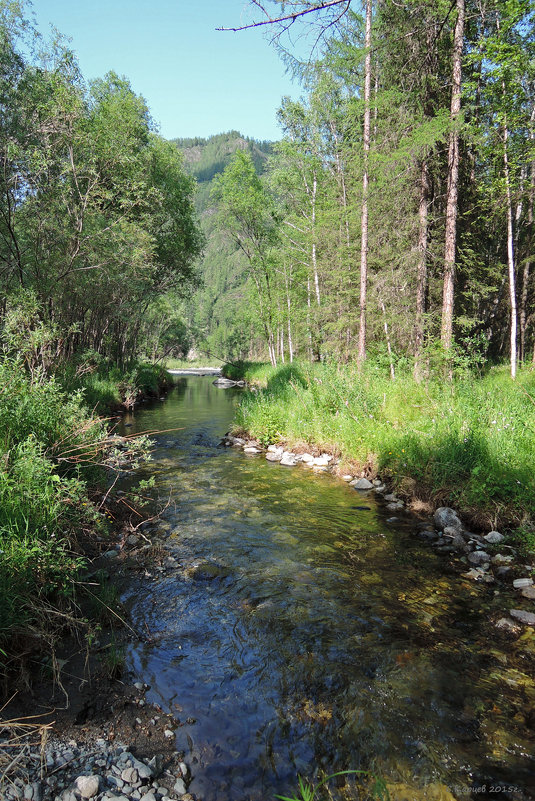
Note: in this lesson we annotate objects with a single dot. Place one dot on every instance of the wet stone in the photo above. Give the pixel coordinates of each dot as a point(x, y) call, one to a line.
point(478, 558)
point(528, 618)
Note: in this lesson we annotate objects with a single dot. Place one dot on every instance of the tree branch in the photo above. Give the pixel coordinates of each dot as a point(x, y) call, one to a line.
point(290, 17)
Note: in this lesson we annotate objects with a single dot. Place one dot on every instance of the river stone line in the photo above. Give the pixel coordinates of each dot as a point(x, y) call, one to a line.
point(103, 772)
point(446, 534)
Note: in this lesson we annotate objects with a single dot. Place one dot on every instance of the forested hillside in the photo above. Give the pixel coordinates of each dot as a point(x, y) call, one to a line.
point(220, 317)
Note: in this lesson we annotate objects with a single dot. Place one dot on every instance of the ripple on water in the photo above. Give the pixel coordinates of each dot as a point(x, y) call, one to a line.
point(305, 635)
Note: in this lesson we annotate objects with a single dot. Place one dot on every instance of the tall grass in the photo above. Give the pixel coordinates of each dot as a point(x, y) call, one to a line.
point(469, 443)
point(50, 450)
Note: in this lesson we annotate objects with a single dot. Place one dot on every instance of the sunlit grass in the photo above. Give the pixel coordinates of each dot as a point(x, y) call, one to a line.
point(469, 442)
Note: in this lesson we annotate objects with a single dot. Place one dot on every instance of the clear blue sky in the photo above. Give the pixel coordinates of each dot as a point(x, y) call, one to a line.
point(197, 81)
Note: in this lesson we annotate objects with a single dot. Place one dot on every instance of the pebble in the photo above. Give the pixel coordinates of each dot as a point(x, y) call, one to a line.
point(130, 776)
point(529, 592)
point(180, 787)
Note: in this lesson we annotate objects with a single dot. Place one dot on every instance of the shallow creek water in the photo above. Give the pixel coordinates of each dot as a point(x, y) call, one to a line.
point(304, 634)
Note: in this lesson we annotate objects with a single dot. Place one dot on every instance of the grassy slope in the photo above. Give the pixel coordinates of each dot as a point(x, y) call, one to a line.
point(469, 443)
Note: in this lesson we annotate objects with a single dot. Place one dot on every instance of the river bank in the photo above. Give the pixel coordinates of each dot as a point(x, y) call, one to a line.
point(485, 557)
point(280, 600)
point(467, 444)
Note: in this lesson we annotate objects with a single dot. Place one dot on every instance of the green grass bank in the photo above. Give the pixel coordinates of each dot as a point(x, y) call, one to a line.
point(55, 456)
point(468, 443)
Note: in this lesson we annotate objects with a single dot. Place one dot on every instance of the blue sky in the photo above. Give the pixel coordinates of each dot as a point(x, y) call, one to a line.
point(197, 81)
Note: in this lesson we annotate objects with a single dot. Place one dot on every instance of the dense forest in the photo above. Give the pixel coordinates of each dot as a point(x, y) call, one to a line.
point(395, 216)
point(97, 224)
point(219, 318)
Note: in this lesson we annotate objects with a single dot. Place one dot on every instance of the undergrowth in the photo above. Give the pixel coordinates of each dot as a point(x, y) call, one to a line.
point(468, 442)
point(54, 458)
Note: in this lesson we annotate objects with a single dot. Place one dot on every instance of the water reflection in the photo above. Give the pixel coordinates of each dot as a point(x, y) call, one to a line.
point(304, 634)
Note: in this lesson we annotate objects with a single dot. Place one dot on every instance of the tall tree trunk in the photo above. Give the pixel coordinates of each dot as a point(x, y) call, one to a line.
point(365, 181)
point(388, 345)
point(453, 180)
point(289, 324)
point(314, 253)
point(527, 262)
point(421, 285)
point(510, 253)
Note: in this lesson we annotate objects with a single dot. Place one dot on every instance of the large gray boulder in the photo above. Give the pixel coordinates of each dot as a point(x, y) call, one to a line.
point(445, 517)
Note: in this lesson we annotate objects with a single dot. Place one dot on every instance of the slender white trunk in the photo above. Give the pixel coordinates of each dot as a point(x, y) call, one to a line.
point(510, 251)
point(388, 346)
point(361, 355)
point(314, 247)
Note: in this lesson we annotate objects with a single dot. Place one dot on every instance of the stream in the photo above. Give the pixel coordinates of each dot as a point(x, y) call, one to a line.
point(301, 633)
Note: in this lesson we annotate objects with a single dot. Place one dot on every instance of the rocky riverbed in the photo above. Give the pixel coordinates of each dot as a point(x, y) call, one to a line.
point(100, 769)
point(482, 557)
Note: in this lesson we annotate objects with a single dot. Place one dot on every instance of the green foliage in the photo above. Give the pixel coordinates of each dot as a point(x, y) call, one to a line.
point(469, 442)
point(52, 455)
point(96, 211)
point(378, 789)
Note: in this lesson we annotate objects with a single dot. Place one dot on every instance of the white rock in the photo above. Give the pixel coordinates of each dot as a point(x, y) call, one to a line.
point(180, 787)
point(321, 461)
point(87, 786)
point(307, 457)
point(520, 583)
point(493, 537)
point(252, 449)
point(168, 733)
point(273, 456)
point(288, 460)
point(362, 484)
point(347, 477)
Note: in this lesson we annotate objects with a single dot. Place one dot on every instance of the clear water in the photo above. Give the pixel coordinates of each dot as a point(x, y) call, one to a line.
point(305, 635)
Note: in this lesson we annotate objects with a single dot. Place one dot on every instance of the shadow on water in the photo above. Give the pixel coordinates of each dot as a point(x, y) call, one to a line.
point(305, 635)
